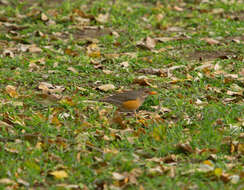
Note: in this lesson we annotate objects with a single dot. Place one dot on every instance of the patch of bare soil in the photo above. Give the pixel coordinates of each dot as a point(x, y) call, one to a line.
point(91, 33)
point(204, 55)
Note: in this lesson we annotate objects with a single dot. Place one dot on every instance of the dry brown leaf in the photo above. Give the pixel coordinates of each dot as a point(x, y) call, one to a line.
point(34, 49)
point(185, 147)
point(147, 43)
point(71, 186)
point(33, 67)
point(206, 65)
point(111, 55)
point(159, 17)
point(218, 10)
point(155, 171)
point(178, 8)
point(11, 150)
point(210, 41)
point(175, 29)
point(150, 43)
point(72, 69)
point(8, 53)
point(143, 81)
point(102, 18)
point(82, 14)
point(241, 72)
point(176, 67)
point(115, 34)
point(49, 88)
point(22, 182)
point(107, 72)
point(232, 93)
point(124, 64)
point(118, 176)
point(106, 87)
point(11, 90)
point(225, 177)
point(44, 17)
point(6, 181)
point(231, 76)
point(169, 159)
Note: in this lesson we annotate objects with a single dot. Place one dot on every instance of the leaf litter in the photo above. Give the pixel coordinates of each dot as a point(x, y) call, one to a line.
point(102, 138)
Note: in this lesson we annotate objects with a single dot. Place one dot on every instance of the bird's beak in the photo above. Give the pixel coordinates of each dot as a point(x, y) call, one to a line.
point(152, 92)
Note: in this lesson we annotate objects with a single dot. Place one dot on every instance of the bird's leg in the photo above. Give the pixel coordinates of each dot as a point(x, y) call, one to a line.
point(135, 115)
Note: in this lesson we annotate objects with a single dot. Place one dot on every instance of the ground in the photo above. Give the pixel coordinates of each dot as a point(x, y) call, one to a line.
point(58, 58)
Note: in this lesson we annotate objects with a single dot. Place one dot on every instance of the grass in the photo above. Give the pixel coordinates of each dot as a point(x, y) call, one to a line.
point(190, 135)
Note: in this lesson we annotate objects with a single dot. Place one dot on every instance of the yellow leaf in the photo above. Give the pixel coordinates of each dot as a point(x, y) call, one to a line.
point(93, 51)
point(55, 121)
point(240, 148)
point(11, 90)
point(208, 162)
point(60, 174)
point(218, 172)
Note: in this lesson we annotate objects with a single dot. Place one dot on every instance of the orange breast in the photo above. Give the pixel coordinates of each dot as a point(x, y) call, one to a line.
point(131, 104)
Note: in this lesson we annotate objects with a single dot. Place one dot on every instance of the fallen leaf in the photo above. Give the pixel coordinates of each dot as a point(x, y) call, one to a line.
point(232, 93)
point(118, 176)
point(175, 29)
point(234, 179)
point(205, 168)
point(44, 17)
point(210, 41)
point(159, 17)
point(22, 182)
point(71, 52)
point(143, 81)
point(34, 49)
point(49, 88)
point(186, 147)
point(124, 64)
point(33, 67)
point(93, 50)
point(155, 171)
point(102, 18)
point(240, 148)
point(107, 72)
point(72, 69)
point(241, 72)
point(218, 10)
point(147, 43)
point(150, 43)
point(218, 172)
point(8, 53)
point(59, 174)
point(106, 87)
point(11, 90)
point(71, 186)
point(6, 181)
point(178, 8)
point(115, 34)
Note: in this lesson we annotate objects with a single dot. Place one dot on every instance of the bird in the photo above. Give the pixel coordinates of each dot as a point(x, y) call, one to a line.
point(129, 101)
